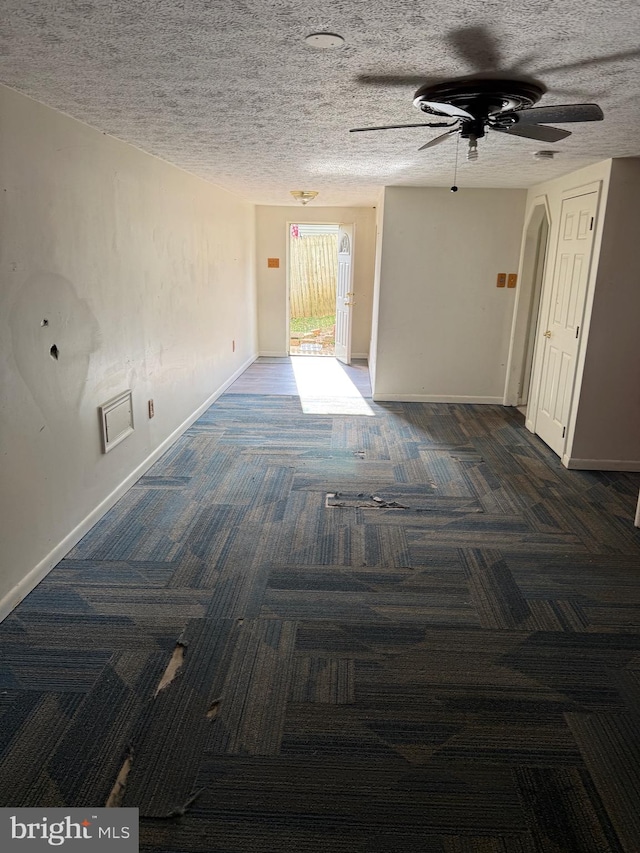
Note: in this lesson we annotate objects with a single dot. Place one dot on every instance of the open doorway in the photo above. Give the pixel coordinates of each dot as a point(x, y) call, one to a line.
point(535, 255)
point(527, 310)
point(313, 281)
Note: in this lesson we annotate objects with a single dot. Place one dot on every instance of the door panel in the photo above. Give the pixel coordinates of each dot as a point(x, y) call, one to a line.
point(561, 334)
point(567, 369)
point(574, 310)
point(344, 294)
point(548, 389)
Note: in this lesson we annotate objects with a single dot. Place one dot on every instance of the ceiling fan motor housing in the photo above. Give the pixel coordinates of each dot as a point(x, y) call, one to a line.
point(483, 99)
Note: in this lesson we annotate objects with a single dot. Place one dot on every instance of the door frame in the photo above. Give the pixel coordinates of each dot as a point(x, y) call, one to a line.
point(545, 308)
point(301, 221)
point(350, 302)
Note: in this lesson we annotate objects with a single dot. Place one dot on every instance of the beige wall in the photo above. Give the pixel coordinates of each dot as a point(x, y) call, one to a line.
point(145, 275)
point(443, 326)
point(271, 242)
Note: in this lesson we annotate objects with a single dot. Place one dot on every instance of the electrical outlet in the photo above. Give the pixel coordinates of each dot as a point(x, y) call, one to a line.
point(512, 279)
point(151, 409)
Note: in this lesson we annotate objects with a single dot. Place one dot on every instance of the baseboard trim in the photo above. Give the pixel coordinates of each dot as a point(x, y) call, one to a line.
point(601, 464)
point(364, 355)
point(31, 580)
point(434, 398)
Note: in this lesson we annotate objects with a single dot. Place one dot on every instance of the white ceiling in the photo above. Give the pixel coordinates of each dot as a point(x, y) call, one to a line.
point(228, 89)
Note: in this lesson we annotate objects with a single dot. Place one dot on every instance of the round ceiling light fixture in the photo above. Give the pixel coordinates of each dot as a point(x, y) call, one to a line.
point(324, 41)
point(304, 196)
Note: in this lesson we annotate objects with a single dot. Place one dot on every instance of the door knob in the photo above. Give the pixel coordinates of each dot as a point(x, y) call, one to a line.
point(349, 303)
point(547, 334)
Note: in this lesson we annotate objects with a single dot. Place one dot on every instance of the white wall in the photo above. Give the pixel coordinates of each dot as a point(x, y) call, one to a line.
point(443, 325)
point(145, 275)
point(271, 242)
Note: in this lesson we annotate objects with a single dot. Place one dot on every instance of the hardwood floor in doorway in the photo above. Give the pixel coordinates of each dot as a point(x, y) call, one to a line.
point(270, 375)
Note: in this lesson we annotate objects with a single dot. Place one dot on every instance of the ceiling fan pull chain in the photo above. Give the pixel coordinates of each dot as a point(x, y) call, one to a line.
point(454, 188)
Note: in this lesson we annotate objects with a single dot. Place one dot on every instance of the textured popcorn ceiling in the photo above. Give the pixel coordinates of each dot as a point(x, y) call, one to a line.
point(228, 89)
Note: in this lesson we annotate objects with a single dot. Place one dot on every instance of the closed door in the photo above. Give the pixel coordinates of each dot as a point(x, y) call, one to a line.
point(344, 294)
point(561, 333)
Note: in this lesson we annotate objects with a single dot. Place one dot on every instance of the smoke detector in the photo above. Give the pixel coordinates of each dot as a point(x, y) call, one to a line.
point(324, 41)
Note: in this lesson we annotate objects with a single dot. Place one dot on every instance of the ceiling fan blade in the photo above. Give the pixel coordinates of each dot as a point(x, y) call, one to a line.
point(477, 47)
point(395, 126)
point(442, 108)
point(541, 132)
point(438, 139)
point(557, 114)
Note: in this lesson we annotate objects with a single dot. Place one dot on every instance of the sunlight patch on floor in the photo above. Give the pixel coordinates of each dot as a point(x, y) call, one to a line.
point(326, 389)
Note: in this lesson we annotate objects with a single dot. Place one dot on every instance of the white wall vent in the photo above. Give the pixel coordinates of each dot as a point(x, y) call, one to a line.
point(116, 418)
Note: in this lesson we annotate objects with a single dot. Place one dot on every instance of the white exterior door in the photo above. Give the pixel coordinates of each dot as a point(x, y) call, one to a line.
point(344, 293)
point(561, 333)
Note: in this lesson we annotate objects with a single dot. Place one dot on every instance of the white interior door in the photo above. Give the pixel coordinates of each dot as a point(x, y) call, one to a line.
point(561, 333)
point(344, 293)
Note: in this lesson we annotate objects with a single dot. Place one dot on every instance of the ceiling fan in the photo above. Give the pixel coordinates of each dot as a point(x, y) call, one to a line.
point(475, 104)
point(489, 99)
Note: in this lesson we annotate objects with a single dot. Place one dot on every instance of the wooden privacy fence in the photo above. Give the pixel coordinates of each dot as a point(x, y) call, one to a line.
point(313, 265)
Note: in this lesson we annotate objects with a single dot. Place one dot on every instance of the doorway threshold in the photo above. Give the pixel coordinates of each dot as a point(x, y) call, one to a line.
point(313, 350)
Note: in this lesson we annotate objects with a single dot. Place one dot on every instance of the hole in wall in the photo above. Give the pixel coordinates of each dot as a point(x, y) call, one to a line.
point(54, 352)
point(44, 322)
